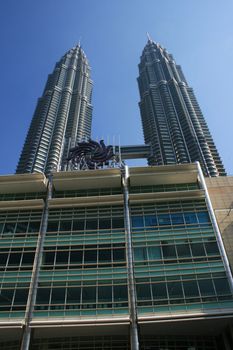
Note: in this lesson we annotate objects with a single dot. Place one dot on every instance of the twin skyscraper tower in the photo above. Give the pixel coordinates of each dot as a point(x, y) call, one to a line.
point(172, 121)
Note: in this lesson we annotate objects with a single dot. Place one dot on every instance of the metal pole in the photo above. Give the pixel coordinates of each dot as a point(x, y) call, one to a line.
point(134, 343)
point(25, 344)
point(216, 228)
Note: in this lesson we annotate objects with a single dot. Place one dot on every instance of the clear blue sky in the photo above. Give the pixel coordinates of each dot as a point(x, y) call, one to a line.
point(35, 34)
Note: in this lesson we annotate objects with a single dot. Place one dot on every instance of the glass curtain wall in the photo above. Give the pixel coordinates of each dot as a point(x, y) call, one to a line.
point(177, 264)
point(19, 233)
point(84, 263)
point(177, 261)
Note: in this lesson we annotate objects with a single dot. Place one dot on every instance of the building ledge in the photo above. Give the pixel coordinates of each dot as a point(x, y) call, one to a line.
point(23, 183)
point(186, 315)
point(22, 204)
point(164, 174)
point(4, 324)
point(69, 321)
point(86, 201)
point(87, 179)
point(161, 196)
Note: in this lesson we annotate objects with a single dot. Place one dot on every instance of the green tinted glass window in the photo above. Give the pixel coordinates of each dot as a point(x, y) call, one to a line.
point(183, 250)
point(190, 289)
point(120, 293)
point(73, 295)
point(206, 287)
point(159, 291)
point(43, 295)
point(222, 286)
point(89, 294)
point(105, 294)
point(143, 292)
point(175, 290)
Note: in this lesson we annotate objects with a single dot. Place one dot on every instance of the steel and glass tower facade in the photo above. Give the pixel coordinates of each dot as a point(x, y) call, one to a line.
point(172, 120)
point(62, 116)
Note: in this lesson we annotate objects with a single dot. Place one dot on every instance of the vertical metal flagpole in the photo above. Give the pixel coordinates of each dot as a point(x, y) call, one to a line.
point(25, 344)
point(216, 228)
point(119, 149)
point(134, 343)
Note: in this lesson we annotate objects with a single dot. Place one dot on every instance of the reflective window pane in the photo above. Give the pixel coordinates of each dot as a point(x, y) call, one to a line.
point(137, 221)
point(52, 226)
point(3, 258)
point(175, 290)
point(43, 295)
point(183, 250)
point(140, 253)
point(190, 218)
point(91, 224)
point(89, 294)
point(34, 226)
point(198, 249)
point(90, 256)
point(190, 289)
point(48, 258)
point(203, 217)
point(105, 255)
point(143, 292)
point(21, 227)
point(222, 286)
point(104, 224)
point(65, 225)
point(159, 290)
point(154, 253)
point(177, 218)
point(150, 220)
point(78, 225)
point(28, 258)
point(6, 296)
point(76, 257)
point(118, 223)
point(120, 293)
point(212, 248)
point(105, 294)
point(14, 259)
point(118, 254)
point(9, 227)
point(164, 219)
point(206, 287)
point(58, 295)
point(21, 296)
point(169, 251)
point(73, 295)
point(62, 257)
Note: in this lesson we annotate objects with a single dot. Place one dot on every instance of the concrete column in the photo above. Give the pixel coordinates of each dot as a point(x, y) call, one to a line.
point(216, 228)
point(134, 342)
point(26, 338)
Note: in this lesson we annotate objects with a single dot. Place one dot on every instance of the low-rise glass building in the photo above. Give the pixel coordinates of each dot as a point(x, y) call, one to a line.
point(98, 259)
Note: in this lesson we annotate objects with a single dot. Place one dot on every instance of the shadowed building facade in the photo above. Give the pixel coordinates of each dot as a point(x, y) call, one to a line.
point(172, 120)
point(62, 117)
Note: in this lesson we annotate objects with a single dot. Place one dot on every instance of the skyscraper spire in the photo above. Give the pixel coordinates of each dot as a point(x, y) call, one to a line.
point(148, 36)
point(62, 117)
point(172, 120)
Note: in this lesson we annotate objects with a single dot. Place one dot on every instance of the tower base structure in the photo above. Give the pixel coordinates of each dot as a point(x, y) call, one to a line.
point(76, 273)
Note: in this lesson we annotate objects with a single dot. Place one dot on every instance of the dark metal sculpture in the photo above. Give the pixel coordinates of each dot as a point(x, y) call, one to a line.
point(90, 155)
